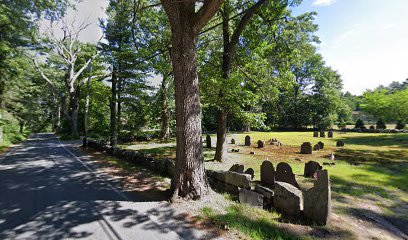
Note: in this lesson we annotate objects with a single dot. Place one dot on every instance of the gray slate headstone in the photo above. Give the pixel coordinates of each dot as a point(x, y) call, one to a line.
point(247, 140)
point(251, 172)
point(321, 145)
point(238, 168)
point(330, 134)
point(322, 134)
point(288, 199)
point(315, 134)
point(306, 148)
point(284, 173)
point(208, 141)
point(316, 147)
point(340, 144)
point(251, 198)
point(267, 173)
point(310, 168)
point(317, 200)
point(260, 144)
point(232, 141)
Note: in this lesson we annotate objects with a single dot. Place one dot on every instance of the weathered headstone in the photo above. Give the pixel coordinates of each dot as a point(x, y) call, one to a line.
point(306, 148)
point(316, 147)
point(310, 168)
point(260, 144)
point(237, 168)
point(340, 144)
point(208, 141)
point(284, 173)
point(288, 199)
point(330, 134)
point(251, 172)
point(322, 134)
point(317, 200)
point(232, 141)
point(315, 134)
point(251, 198)
point(252, 153)
point(247, 140)
point(267, 173)
point(321, 145)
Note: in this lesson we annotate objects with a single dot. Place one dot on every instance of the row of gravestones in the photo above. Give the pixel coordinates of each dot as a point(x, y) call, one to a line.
point(306, 147)
point(261, 144)
point(323, 134)
point(280, 190)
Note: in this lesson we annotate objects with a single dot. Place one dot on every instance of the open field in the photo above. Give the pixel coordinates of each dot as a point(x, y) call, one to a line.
point(370, 177)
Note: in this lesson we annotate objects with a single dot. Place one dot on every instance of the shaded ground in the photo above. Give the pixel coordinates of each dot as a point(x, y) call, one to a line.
point(49, 193)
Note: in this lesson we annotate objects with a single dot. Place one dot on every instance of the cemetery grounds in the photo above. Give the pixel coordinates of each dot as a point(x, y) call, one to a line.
point(369, 183)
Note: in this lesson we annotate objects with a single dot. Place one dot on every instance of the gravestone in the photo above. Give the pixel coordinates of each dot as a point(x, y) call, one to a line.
point(232, 141)
point(251, 172)
point(322, 134)
point(237, 168)
point(306, 148)
point(315, 134)
point(251, 198)
point(330, 134)
point(317, 200)
point(284, 173)
point(247, 140)
point(288, 199)
point(208, 141)
point(321, 145)
point(267, 173)
point(310, 168)
point(316, 147)
point(340, 144)
point(260, 144)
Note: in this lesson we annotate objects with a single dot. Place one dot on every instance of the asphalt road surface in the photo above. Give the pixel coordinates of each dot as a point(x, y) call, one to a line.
point(48, 192)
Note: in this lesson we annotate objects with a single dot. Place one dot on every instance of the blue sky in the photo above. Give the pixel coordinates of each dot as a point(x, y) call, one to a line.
point(366, 41)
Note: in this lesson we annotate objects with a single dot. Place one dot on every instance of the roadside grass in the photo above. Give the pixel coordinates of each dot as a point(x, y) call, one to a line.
point(256, 223)
point(10, 138)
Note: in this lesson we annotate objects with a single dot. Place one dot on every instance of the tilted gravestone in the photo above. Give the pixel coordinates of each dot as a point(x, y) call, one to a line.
point(284, 173)
point(310, 168)
point(340, 144)
point(260, 144)
point(251, 172)
point(330, 134)
point(316, 147)
point(315, 134)
point(306, 148)
point(208, 141)
point(317, 200)
point(322, 134)
point(237, 168)
point(251, 198)
point(288, 199)
point(321, 145)
point(232, 141)
point(267, 173)
point(247, 140)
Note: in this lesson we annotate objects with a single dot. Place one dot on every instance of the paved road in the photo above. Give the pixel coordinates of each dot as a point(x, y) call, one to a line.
point(48, 192)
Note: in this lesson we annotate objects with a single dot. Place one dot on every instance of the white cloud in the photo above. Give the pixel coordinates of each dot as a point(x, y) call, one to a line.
point(323, 3)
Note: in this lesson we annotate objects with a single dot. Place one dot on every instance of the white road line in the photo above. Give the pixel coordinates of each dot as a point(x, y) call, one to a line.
point(93, 172)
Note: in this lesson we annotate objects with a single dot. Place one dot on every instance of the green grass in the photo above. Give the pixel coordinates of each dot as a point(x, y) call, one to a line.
point(253, 222)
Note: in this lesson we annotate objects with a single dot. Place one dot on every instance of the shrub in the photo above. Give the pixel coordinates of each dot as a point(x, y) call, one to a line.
point(400, 124)
point(360, 124)
point(372, 127)
point(380, 124)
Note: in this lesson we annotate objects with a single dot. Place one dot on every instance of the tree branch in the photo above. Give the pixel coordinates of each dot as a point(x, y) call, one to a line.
point(205, 13)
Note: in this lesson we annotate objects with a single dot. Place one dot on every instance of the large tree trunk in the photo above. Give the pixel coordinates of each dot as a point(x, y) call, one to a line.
point(190, 179)
point(165, 128)
point(74, 107)
point(21, 127)
point(221, 148)
point(86, 112)
point(113, 110)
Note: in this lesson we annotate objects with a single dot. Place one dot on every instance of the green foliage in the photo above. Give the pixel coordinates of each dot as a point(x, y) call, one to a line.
point(400, 124)
point(359, 124)
point(380, 124)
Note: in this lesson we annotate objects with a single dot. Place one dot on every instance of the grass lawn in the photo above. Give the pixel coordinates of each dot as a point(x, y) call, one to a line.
point(371, 171)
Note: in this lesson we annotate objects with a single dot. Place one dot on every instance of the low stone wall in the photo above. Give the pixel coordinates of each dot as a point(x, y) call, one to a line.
point(163, 166)
point(374, 130)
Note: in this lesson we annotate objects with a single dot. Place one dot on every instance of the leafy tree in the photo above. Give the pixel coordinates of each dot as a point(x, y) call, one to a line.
point(359, 124)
